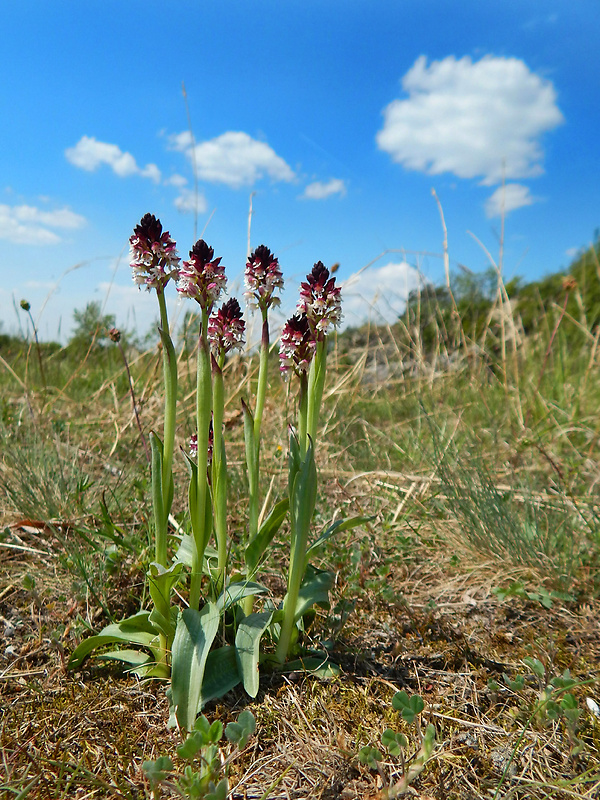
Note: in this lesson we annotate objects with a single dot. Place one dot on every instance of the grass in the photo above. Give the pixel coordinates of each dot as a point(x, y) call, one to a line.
point(481, 475)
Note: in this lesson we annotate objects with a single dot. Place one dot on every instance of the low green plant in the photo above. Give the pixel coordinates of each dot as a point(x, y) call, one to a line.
point(219, 640)
point(396, 744)
point(205, 775)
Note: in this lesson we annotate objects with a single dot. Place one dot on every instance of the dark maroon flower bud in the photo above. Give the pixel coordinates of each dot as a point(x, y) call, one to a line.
point(263, 276)
point(154, 259)
point(202, 278)
point(114, 335)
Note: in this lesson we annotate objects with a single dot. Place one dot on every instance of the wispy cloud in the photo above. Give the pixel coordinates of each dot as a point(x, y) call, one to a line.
point(508, 198)
point(234, 158)
point(320, 191)
point(379, 293)
point(187, 202)
point(89, 154)
point(30, 225)
point(474, 120)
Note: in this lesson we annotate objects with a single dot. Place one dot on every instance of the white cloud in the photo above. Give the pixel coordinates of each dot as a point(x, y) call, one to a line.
point(319, 190)
point(471, 119)
point(378, 293)
point(30, 225)
point(89, 154)
point(234, 158)
point(176, 180)
point(187, 202)
point(508, 198)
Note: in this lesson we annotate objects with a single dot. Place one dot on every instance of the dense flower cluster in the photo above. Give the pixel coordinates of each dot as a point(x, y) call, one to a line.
point(226, 328)
point(297, 346)
point(320, 300)
point(202, 278)
point(263, 276)
point(154, 258)
point(114, 334)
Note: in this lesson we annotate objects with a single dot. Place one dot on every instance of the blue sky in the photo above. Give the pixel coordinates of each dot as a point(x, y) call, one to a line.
point(341, 117)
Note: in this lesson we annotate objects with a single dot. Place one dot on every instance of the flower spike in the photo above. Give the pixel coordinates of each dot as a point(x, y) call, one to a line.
point(202, 278)
point(320, 300)
point(226, 329)
point(154, 259)
point(297, 346)
point(263, 276)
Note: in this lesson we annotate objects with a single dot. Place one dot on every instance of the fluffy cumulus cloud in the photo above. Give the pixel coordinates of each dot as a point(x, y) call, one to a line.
point(379, 293)
point(471, 119)
point(33, 226)
point(508, 198)
point(234, 158)
point(320, 191)
point(89, 154)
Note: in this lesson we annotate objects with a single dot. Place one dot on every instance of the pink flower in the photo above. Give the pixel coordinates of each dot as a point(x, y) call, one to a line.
point(263, 276)
point(297, 346)
point(154, 259)
point(320, 300)
point(202, 278)
point(226, 328)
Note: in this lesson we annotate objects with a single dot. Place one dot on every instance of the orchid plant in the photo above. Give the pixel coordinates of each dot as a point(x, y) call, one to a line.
point(181, 644)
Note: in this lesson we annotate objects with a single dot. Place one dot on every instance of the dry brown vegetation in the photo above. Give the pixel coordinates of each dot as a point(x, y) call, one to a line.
point(414, 605)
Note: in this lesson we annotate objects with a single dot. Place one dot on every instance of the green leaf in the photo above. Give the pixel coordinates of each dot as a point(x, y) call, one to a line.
point(135, 630)
point(161, 582)
point(136, 658)
point(337, 527)
point(157, 771)
point(239, 732)
point(304, 495)
point(314, 591)
point(236, 592)
point(535, 665)
point(220, 674)
point(370, 756)
point(257, 547)
point(317, 666)
point(247, 648)
point(196, 631)
point(393, 742)
point(410, 707)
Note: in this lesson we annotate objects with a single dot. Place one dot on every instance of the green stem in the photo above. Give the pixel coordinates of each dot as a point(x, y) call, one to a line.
point(253, 459)
point(316, 384)
point(203, 416)
point(303, 413)
point(303, 481)
point(219, 473)
point(170, 377)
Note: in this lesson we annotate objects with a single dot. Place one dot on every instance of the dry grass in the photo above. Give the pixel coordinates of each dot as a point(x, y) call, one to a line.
point(425, 616)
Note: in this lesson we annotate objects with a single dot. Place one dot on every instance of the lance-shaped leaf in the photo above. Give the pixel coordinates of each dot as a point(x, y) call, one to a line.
point(247, 648)
point(314, 591)
point(236, 592)
point(221, 674)
point(258, 546)
point(196, 631)
point(134, 630)
point(336, 527)
point(161, 583)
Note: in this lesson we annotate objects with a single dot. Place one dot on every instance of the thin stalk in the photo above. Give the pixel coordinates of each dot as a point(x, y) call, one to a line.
point(219, 473)
point(253, 459)
point(38, 350)
point(203, 416)
point(134, 403)
point(170, 374)
point(316, 384)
